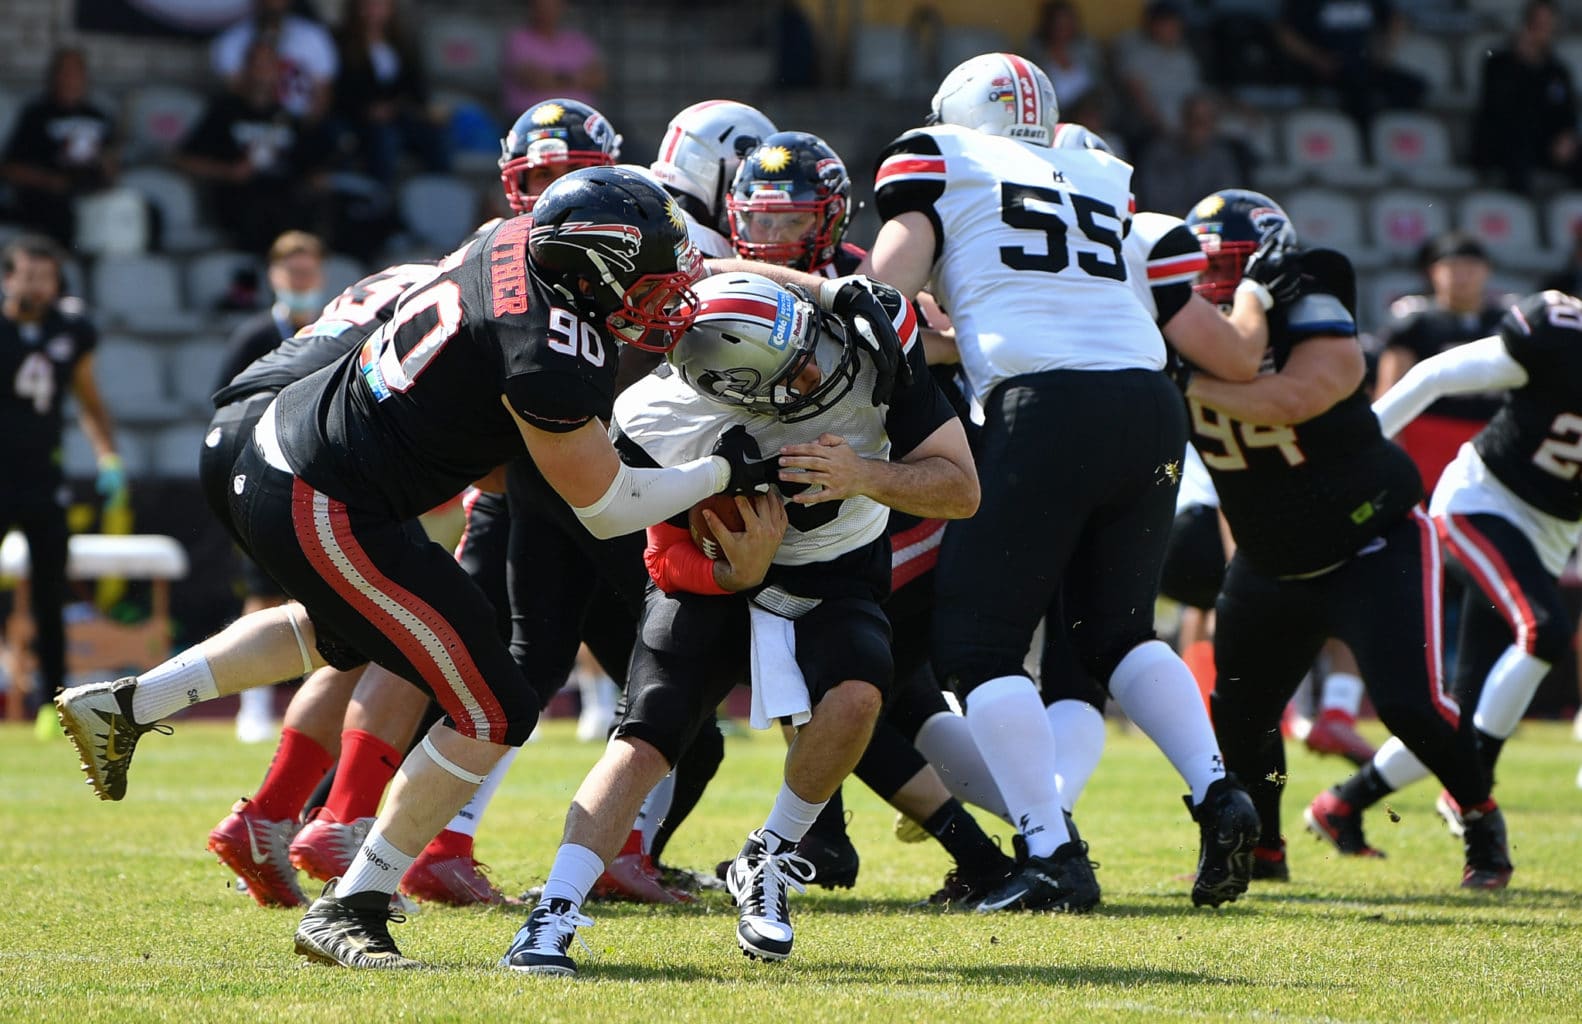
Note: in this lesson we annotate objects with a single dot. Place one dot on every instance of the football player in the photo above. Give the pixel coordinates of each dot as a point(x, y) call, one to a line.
point(853, 437)
point(1330, 540)
point(511, 348)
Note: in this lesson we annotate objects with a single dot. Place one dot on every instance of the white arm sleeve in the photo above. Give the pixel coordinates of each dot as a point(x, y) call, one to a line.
point(639, 498)
point(1482, 365)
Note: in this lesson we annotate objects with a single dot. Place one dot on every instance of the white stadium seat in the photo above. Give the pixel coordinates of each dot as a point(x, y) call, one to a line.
point(194, 372)
point(1416, 147)
point(462, 51)
point(142, 293)
point(158, 118)
point(1401, 220)
point(339, 273)
point(1326, 145)
point(176, 199)
point(1508, 225)
point(1429, 57)
point(1563, 222)
point(209, 276)
point(176, 449)
point(1324, 218)
point(131, 377)
point(1382, 291)
point(438, 209)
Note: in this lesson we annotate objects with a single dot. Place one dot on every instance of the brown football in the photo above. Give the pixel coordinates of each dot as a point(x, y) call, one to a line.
point(723, 506)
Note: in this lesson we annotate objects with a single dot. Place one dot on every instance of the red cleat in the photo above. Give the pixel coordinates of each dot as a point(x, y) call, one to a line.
point(1329, 817)
point(632, 876)
point(325, 846)
point(1335, 732)
point(256, 849)
point(454, 881)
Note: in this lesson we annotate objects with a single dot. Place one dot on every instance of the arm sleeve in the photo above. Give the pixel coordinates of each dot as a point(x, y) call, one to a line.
point(917, 410)
point(676, 565)
point(639, 498)
point(911, 177)
point(1481, 365)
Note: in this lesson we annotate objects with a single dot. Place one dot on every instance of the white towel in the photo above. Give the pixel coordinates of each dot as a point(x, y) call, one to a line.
point(779, 691)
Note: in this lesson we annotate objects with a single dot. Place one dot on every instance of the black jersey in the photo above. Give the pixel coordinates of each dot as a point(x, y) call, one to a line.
point(345, 324)
point(414, 415)
point(37, 362)
point(1306, 497)
point(1431, 330)
point(1533, 445)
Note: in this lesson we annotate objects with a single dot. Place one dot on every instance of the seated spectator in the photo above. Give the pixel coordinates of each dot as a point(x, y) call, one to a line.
point(305, 49)
point(1527, 109)
point(1065, 53)
point(1157, 69)
point(381, 94)
point(1176, 171)
point(62, 147)
point(544, 60)
point(1345, 45)
point(257, 158)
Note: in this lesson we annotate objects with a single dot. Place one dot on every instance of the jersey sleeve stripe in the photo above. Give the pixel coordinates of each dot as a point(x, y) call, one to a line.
point(908, 166)
point(1176, 266)
point(907, 327)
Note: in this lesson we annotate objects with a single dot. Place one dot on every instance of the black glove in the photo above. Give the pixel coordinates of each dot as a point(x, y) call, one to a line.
point(1278, 268)
point(751, 473)
point(875, 334)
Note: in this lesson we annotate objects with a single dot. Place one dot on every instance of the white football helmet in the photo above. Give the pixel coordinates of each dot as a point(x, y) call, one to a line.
point(751, 340)
point(998, 94)
point(1070, 135)
point(702, 147)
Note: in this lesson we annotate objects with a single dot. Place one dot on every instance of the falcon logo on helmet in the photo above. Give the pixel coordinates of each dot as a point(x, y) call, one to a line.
point(618, 244)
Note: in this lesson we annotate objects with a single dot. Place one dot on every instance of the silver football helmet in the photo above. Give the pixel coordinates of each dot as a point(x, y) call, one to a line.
point(702, 147)
point(764, 347)
point(1070, 135)
point(998, 94)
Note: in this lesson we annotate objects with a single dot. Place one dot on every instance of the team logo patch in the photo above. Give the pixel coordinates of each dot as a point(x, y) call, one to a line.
point(774, 158)
point(1208, 207)
point(736, 383)
point(617, 244)
point(598, 129)
point(673, 214)
point(549, 113)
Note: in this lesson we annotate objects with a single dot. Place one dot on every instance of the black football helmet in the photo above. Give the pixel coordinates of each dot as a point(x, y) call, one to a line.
point(614, 246)
point(560, 133)
point(789, 204)
point(1230, 225)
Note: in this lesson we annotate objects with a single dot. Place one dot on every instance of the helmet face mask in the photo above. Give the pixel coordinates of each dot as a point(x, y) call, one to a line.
point(998, 94)
point(1230, 226)
point(549, 140)
point(789, 203)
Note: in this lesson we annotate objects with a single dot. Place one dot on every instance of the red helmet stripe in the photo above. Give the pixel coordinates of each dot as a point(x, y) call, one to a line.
point(730, 306)
point(1029, 104)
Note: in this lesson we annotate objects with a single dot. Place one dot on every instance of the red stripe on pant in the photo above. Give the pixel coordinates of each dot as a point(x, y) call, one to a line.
point(1494, 577)
point(488, 721)
point(1433, 618)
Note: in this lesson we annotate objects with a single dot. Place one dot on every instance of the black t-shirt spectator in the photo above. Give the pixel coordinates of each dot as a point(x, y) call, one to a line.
point(1522, 109)
point(1345, 28)
point(70, 140)
point(269, 138)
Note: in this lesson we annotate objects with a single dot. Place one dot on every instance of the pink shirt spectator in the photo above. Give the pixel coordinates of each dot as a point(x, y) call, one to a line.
point(566, 54)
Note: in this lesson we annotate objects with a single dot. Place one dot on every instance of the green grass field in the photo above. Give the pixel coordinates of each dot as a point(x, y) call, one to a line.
point(116, 912)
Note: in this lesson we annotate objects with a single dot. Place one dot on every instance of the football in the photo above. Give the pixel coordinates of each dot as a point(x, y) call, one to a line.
point(723, 506)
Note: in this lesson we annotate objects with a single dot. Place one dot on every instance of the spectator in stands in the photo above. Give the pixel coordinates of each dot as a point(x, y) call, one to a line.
point(63, 146)
point(1065, 52)
point(543, 60)
point(306, 51)
point(1176, 171)
point(1457, 310)
point(1157, 69)
point(381, 94)
point(257, 158)
point(1527, 107)
point(1345, 45)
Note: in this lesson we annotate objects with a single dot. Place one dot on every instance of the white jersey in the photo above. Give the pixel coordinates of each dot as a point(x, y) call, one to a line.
point(1029, 261)
point(1163, 261)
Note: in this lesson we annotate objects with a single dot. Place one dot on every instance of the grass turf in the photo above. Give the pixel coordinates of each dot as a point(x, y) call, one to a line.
point(115, 912)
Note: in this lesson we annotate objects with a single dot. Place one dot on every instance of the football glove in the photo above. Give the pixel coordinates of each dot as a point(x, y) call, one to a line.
point(110, 484)
point(884, 347)
point(1275, 273)
point(751, 473)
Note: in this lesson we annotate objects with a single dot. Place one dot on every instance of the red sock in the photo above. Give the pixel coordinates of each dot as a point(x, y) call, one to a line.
point(367, 765)
point(449, 843)
point(298, 767)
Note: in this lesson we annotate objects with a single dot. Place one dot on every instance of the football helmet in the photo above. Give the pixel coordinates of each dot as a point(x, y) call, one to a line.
point(560, 133)
point(788, 204)
point(998, 94)
point(702, 147)
point(614, 247)
point(764, 347)
point(1070, 135)
point(1230, 225)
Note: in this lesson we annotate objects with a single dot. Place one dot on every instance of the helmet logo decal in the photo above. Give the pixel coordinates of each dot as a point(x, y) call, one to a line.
point(1026, 90)
point(774, 158)
point(549, 113)
point(1209, 206)
point(786, 321)
point(618, 244)
point(598, 129)
point(1266, 220)
point(673, 214)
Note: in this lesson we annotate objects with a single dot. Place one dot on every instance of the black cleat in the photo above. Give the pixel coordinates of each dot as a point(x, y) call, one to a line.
point(1488, 851)
point(964, 890)
point(1228, 829)
point(834, 859)
point(1330, 818)
point(541, 945)
point(352, 932)
point(1062, 881)
point(1269, 864)
point(758, 880)
point(98, 718)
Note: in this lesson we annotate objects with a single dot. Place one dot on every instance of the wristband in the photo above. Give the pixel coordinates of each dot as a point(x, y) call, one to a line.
point(1257, 290)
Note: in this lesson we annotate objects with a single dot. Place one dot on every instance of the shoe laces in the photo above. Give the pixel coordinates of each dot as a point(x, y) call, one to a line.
point(552, 930)
point(768, 877)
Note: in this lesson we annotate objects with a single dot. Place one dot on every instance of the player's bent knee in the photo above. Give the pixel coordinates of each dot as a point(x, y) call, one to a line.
point(852, 701)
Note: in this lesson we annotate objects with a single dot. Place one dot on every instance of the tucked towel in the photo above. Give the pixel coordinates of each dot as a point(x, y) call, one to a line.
point(779, 691)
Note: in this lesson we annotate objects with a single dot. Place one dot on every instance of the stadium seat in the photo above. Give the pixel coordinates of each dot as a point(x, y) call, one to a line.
point(1507, 225)
point(963, 42)
point(80, 462)
point(1416, 147)
point(175, 199)
point(1429, 57)
point(1563, 222)
point(339, 272)
point(1401, 220)
point(883, 57)
point(132, 379)
point(462, 51)
point(195, 370)
point(175, 451)
point(1382, 291)
point(438, 209)
point(141, 293)
point(209, 276)
point(158, 117)
point(1326, 145)
point(1327, 219)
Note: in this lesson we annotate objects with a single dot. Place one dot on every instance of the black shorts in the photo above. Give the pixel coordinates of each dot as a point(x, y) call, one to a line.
point(377, 589)
point(1194, 568)
point(230, 430)
point(691, 649)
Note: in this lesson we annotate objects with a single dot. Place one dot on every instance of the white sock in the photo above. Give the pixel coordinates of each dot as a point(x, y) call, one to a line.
point(1509, 689)
point(1007, 720)
point(1342, 692)
point(1079, 743)
point(945, 741)
point(1397, 766)
point(467, 819)
point(376, 867)
point(1158, 693)
point(791, 816)
point(259, 702)
point(575, 870)
point(654, 809)
point(179, 683)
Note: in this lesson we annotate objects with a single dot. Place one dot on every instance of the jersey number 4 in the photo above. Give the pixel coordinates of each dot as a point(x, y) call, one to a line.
point(1033, 207)
point(1207, 423)
point(35, 381)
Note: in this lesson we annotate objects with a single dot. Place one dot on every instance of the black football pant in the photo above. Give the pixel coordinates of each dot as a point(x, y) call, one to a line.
point(1385, 604)
point(1511, 583)
point(32, 500)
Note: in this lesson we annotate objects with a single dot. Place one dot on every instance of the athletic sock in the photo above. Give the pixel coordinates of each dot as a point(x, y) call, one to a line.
point(1508, 690)
point(377, 867)
point(1397, 767)
point(959, 833)
point(166, 688)
point(367, 765)
point(1365, 788)
point(294, 772)
point(1079, 743)
point(1159, 694)
point(1342, 692)
point(655, 806)
point(1489, 748)
point(791, 816)
point(575, 870)
point(467, 819)
point(831, 821)
point(945, 739)
point(1007, 720)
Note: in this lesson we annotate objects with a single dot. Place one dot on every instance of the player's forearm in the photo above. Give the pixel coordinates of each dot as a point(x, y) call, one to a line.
point(96, 427)
point(1270, 401)
point(933, 488)
point(638, 498)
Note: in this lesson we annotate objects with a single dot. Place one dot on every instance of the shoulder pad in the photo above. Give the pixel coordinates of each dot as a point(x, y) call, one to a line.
point(1331, 274)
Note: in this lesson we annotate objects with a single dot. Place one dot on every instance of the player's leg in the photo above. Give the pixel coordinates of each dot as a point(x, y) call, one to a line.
point(1334, 729)
point(1074, 707)
point(42, 520)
